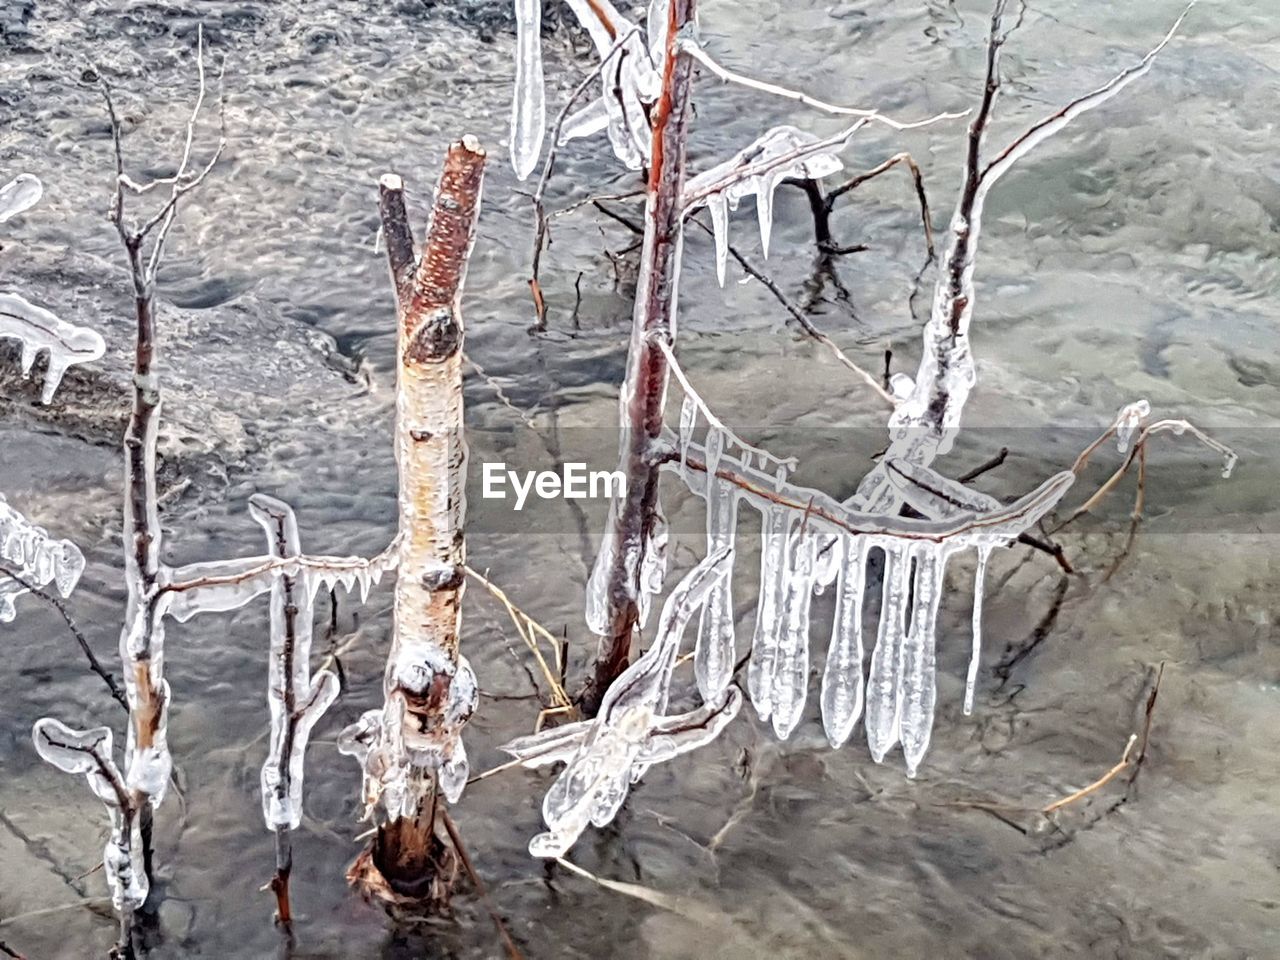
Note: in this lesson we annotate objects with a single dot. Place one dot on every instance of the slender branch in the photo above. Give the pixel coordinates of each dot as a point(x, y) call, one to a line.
point(729, 76)
point(94, 663)
point(917, 178)
point(805, 323)
point(1051, 124)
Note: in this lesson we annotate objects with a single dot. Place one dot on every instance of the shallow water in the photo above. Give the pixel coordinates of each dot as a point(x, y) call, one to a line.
point(1133, 256)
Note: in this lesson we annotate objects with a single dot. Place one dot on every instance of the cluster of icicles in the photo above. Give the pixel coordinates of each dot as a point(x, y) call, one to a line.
point(810, 542)
point(35, 328)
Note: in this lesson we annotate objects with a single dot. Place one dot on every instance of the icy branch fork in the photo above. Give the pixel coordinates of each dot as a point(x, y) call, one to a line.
point(414, 743)
point(89, 753)
point(605, 756)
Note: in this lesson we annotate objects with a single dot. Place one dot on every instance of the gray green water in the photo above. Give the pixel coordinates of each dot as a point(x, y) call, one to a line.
point(1135, 256)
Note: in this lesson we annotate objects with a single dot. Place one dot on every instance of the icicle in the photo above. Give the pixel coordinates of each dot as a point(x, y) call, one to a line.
point(971, 679)
point(653, 569)
point(790, 682)
point(590, 120)
point(529, 106)
point(19, 195)
point(764, 209)
point(716, 651)
point(37, 329)
point(688, 421)
point(826, 564)
point(884, 684)
point(919, 657)
point(842, 677)
point(597, 596)
point(625, 114)
point(719, 209)
point(656, 31)
point(769, 612)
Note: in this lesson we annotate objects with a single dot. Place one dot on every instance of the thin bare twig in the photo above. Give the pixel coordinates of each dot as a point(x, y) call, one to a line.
point(805, 323)
point(94, 663)
point(917, 178)
point(508, 944)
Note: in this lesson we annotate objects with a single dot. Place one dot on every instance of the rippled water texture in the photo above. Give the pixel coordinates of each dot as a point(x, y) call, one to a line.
point(1134, 256)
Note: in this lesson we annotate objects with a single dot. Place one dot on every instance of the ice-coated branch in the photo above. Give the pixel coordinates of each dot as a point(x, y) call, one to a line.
point(411, 749)
point(632, 545)
point(221, 585)
point(925, 424)
point(35, 557)
point(37, 329)
point(782, 153)
point(296, 700)
point(695, 50)
point(966, 527)
point(147, 762)
point(89, 753)
point(607, 755)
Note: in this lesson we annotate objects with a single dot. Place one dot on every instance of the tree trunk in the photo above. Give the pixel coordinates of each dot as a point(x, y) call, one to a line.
point(426, 681)
point(644, 390)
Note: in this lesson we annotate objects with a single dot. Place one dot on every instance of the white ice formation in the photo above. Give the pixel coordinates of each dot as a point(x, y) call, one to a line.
point(35, 557)
point(605, 756)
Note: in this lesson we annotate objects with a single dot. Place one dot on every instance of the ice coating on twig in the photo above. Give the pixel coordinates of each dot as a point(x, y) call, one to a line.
point(295, 699)
point(37, 329)
point(606, 755)
point(88, 752)
point(219, 586)
point(782, 153)
point(35, 557)
point(529, 103)
point(388, 746)
point(19, 195)
point(800, 525)
point(1129, 421)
